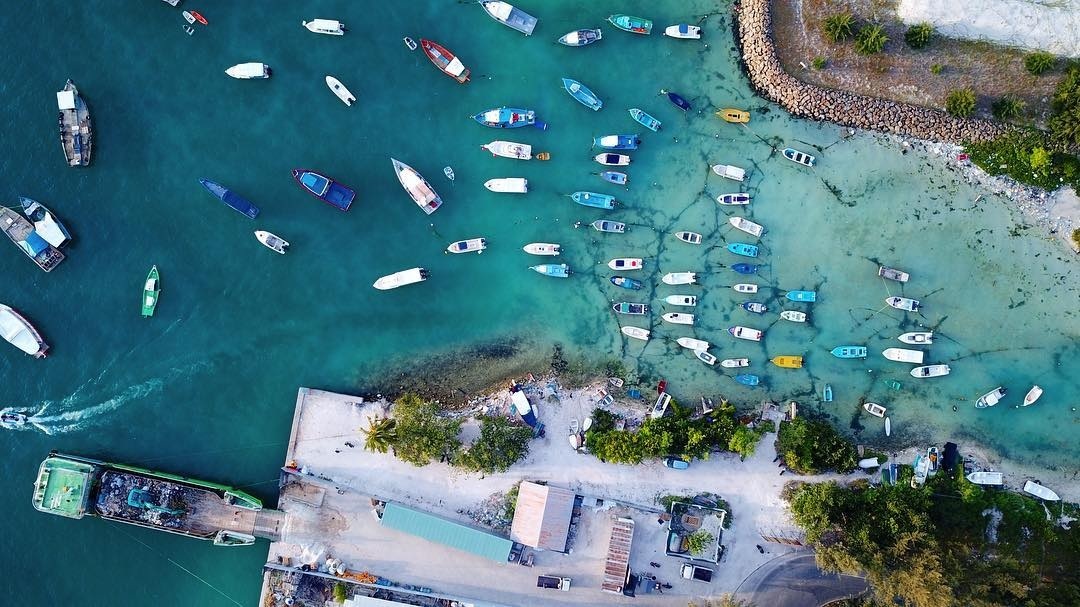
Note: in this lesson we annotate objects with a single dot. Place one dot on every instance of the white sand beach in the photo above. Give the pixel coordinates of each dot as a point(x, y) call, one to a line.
point(1048, 26)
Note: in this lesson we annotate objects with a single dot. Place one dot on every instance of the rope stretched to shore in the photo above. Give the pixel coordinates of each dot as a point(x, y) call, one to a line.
point(185, 569)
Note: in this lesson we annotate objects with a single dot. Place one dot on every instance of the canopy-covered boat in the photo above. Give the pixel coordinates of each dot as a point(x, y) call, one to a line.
point(402, 278)
point(688, 237)
point(645, 119)
point(745, 225)
point(151, 292)
point(583, 94)
point(745, 287)
point(509, 149)
point(617, 142)
point(22, 233)
point(249, 71)
point(447, 62)
point(849, 351)
point(330, 27)
point(636, 333)
point(560, 270)
point(1039, 491)
point(986, 478)
point(603, 225)
point(874, 409)
point(991, 398)
point(705, 357)
point(231, 199)
point(755, 307)
point(746, 333)
point(747, 379)
point(633, 309)
point(918, 338)
point(799, 157)
point(592, 199)
point(272, 241)
point(324, 188)
point(613, 160)
point(18, 332)
point(745, 268)
point(615, 177)
point(743, 249)
point(626, 263)
point(733, 115)
point(509, 185)
point(581, 37)
point(804, 296)
point(76, 131)
point(629, 23)
point(542, 248)
point(510, 16)
point(680, 278)
point(901, 355)
point(735, 198)
point(417, 187)
point(509, 118)
point(684, 31)
point(469, 245)
point(788, 361)
point(682, 300)
point(1033, 395)
point(903, 303)
point(677, 100)
point(626, 283)
point(893, 274)
point(926, 371)
point(735, 363)
point(342, 93)
point(46, 224)
point(678, 318)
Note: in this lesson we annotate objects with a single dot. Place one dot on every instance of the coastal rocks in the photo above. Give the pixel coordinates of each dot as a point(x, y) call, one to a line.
point(753, 22)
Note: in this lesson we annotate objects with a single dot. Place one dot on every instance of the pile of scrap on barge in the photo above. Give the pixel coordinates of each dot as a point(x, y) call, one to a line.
point(76, 133)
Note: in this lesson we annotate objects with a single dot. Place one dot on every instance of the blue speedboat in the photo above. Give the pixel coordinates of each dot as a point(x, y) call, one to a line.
point(826, 394)
point(555, 270)
point(582, 93)
point(230, 198)
point(324, 188)
point(615, 177)
point(740, 248)
point(592, 199)
point(755, 307)
point(747, 379)
point(509, 118)
point(745, 268)
point(617, 142)
point(849, 351)
point(677, 99)
point(645, 119)
point(806, 296)
point(626, 283)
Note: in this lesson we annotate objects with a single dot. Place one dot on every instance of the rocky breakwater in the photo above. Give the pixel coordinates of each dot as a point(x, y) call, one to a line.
point(753, 22)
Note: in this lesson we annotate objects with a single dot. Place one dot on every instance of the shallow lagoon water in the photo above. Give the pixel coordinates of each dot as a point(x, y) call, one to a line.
point(207, 386)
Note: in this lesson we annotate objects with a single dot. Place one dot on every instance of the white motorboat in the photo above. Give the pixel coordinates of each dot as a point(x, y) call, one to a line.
point(449, 172)
point(509, 185)
point(922, 469)
point(689, 237)
point(636, 333)
point(626, 263)
point(339, 89)
point(1033, 395)
point(331, 27)
point(509, 149)
point(869, 462)
point(542, 248)
point(1034, 488)
point(678, 318)
point(683, 31)
point(893, 274)
point(739, 223)
point(745, 287)
point(903, 303)
point(20, 333)
point(705, 357)
point(729, 171)
point(417, 187)
point(272, 241)
point(409, 43)
point(13, 419)
point(901, 355)
point(888, 427)
point(735, 363)
point(793, 315)
point(874, 409)
point(249, 71)
point(470, 245)
point(680, 278)
point(660, 407)
point(746, 333)
point(402, 278)
point(682, 300)
point(991, 398)
point(918, 338)
point(693, 344)
point(737, 198)
point(986, 478)
point(188, 16)
point(930, 371)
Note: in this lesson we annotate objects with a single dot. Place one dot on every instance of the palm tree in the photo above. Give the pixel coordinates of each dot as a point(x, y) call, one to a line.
point(381, 434)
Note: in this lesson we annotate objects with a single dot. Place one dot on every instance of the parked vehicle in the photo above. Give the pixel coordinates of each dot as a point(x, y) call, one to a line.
point(676, 463)
point(551, 581)
point(694, 572)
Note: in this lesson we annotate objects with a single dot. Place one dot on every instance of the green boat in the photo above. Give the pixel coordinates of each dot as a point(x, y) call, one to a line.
point(73, 487)
point(634, 25)
point(151, 292)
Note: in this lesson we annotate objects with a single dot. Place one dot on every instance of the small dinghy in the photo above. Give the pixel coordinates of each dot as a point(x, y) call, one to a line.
point(592, 199)
point(150, 296)
point(582, 94)
point(603, 225)
point(986, 478)
point(198, 17)
point(1033, 488)
point(705, 357)
point(612, 160)
point(409, 43)
point(680, 278)
point(799, 157)
point(683, 31)
point(736, 198)
point(581, 37)
point(745, 287)
point(826, 394)
point(272, 241)
point(470, 245)
point(614, 177)
point(249, 71)
point(626, 283)
point(903, 303)
point(888, 427)
point(509, 118)
point(729, 171)
point(930, 371)
point(693, 344)
point(449, 172)
point(803, 296)
point(629, 23)
point(745, 333)
point(745, 268)
point(509, 149)
point(745, 225)
point(636, 333)
point(678, 318)
point(735, 363)
point(330, 27)
point(682, 300)
point(677, 100)
point(991, 398)
point(542, 248)
point(508, 185)
point(747, 379)
point(893, 274)
point(188, 17)
point(901, 355)
point(402, 278)
point(849, 351)
point(733, 115)
point(633, 309)
point(1033, 395)
point(560, 270)
point(755, 307)
point(617, 142)
point(626, 263)
point(689, 237)
point(917, 338)
point(874, 409)
point(788, 361)
point(645, 119)
point(339, 89)
point(793, 316)
point(743, 249)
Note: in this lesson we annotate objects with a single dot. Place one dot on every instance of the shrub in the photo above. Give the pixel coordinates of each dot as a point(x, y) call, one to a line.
point(1007, 108)
point(960, 103)
point(819, 62)
point(500, 445)
point(1040, 161)
point(936, 69)
point(421, 433)
point(1076, 237)
point(341, 592)
point(870, 40)
point(1065, 123)
point(919, 35)
point(698, 541)
point(1011, 155)
point(1039, 62)
point(811, 446)
point(838, 27)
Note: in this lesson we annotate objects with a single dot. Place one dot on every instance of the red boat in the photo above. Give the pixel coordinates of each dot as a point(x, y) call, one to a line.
point(447, 62)
point(199, 17)
point(661, 387)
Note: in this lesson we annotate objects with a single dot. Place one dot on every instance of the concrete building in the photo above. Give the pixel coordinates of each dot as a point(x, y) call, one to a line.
point(542, 516)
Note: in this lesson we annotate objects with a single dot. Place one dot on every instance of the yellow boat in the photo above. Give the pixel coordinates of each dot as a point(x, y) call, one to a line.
point(788, 362)
point(733, 115)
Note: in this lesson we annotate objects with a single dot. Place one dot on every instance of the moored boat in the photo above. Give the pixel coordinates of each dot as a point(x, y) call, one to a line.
point(682, 300)
point(76, 131)
point(151, 292)
point(745, 287)
point(645, 119)
point(447, 62)
point(581, 37)
point(231, 199)
point(991, 398)
point(793, 315)
point(509, 118)
point(902, 355)
point(324, 188)
point(18, 331)
point(827, 394)
point(733, 115)
point(198, 17)
point(745, 225)
point(636, 333)
point(603, 225)
point(560, 270)
point(614, 160)
point(626, 283)
point(272, 241)
point(918, 338)
point(893, 274)
point(582, 94)
point(677, 100)
point(542, 248)
point(1033, 395)
point(1039, 491)
point(874, 409)
point(804, 296)
point(22, 233)
point(249, 71)
point(743, 249)
point(626, 263)
point(615, 177)
point(593, 199)
point(788, 361)
point(933, 455)
point(747, 379)
point(755, 307)
point(688, 237)
point(930, 371)
point(705, 357)
point(684, 31)
point(735, 363)
point(331, 27)
point(402, 278)
point(629, 23)
point(678, 318)
point(849, 351)
point(729, 171)
point(745, 268)
point(469, 245)
point(903, 303)
point(632, 309)
point(46, 224)
point(449, 172)
point(188, 16)
point(509, 149)
point(617, 142)
point(746, 333)
point(986, 478)
point(692, 344)
point(799, 157)
point(888, 427)
point(510, 16)
point(509, 185)
point(735, 198)
point(680, 278)
point(342, 93)
point(410, 43)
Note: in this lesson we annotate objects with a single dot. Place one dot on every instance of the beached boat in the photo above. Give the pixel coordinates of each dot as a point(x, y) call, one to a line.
point(874, 409)
point(733, 115)
point(324, 188)
point(903, 303)
point(678, 318)
point(680, 278)
point(735, 363)
point(788, 361)
point(617, 142)
point(677, 100)
point(18, 331)
point(560, 270)
point(410, 43)
point(729, 171)
point(626, 263)
point(745, 268)
point(231, 199)
point(22, 233)
point(626, 283)
point(732, 199)
point(509, 149)
point(46, 224)
point(344, 94)
point(705, 357)
point(747, 379)
point(469, 245)
point(632, 309)
point(660, 407)
point(509, 118)
point(682, 300)
point(508, 185)
point(581, 37)
point(991, 398)
point(869, 462)
point(745, 225)
point(683, 31)
point(926, 371)
point(636, 333)
point(901, 355)
point(826, 393)
point(893, 274)
point(746, 333)
point(14, 419)
point(447, 62)
point(249, 71)
point(804, 296)
point(849, 351)
point(402, 278)
point(745, 287)
point(755, 307)
point(986, 478)
point(76, 131)
point(603, 225)
point(645, 119)
point(331, 27)
point(634, 25)
point(593, 199)
point(510, 16)
point(688, 237)
point(917, 338)
point(799, 157)
point(151, 292)
point(1039, 491)
point(583, 94)
point(542, 248)
point(793, 316)
point(272, 241)
point(615, 177)
point(743, 249)
point(1033, 395)
point(933, 456)
point(613, 160)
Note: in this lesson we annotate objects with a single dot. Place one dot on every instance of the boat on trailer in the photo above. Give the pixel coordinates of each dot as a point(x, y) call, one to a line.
point(510, 16)
point(645, 119)
point(688, 237)
point(683, 31)
point(581, 37)
point(614, 227)
point(272, 241)
point(542, 248)
point(330, 27)
point(470, 245)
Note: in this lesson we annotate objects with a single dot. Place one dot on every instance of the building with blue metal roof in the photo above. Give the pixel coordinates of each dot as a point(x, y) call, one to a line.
point(446, 532)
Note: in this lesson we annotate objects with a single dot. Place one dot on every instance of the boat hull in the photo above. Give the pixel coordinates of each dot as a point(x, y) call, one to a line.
point(18, 331)
point(324, 188)
point(447, 62)
point(788, 362)
point(339, 89)
point(636, 333)
point(689, 237)
point(629, 23)
point(678, 318)
point(151, 292)
point(581, 37)
point(582, 94)
point(542, 248)
point(417, 187)
point(849, 351)
point(510, 16)
point(617, 142)
point(746, 333)
point(76, 130)
point(400, 279)
point(231, 199)
point(592, 199)
point(645, 119)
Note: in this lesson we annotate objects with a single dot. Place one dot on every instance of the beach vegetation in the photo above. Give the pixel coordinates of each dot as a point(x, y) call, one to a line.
point(960, 103)
point(380, 434)
point(871, 39)
point(936, 69)
point(341, 592)
point(1012, 153)
point(918, 36)
point(422, 433)
point(1007, 108)
point(1064, 124)
point(745, 440)
point(819, 62)
point(1076, 238)
point(812, 446)
point(724, 600)
point(1039, 62)
point(500, 445)
point(698, 541)
point(677, 433)
point(838, 27)
point(510, 501)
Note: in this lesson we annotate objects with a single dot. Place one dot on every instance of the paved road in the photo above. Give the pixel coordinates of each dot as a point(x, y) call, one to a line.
point(794, 580)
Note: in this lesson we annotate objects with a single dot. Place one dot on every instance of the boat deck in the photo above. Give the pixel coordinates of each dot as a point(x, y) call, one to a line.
point(18, 230)
point(75, 127)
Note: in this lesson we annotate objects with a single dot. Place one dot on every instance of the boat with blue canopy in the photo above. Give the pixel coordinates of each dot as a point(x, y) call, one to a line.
point(231, 199)
point(629, 23)
point(645, 119)
point(677, 99)
point(509, 118)
point(806, 296)
point(755, 307)
point(324, 188)
point(747, 379)
point(581, 37)
point(582, 93)
point(592, 199)
point(741, 248)
point(617, 142)
point(603, 225)
point(745, 268)
point(555, 270)
point(614, 177)
point(510, 16)
point(849, 351)
point(626, 283)
point(634, 309)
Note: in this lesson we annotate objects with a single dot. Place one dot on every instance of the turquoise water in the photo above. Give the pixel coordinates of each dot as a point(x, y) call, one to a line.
point(207, 386)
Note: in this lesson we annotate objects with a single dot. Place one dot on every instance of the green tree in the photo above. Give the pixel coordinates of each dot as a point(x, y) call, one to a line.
point(341, 592)
point(919, 35)
point(744, 442)
point(960, 103)
point(380, 434)
point(1007, 108)
point(500, 445)
point(1040, 161)
point(810, 446)
point(698, 541)
point(422, 434)
point(871, 39)
point(838, 27)
point(1039, 62)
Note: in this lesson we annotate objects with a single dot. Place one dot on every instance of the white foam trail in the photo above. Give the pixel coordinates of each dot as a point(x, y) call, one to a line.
point(131, 393)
